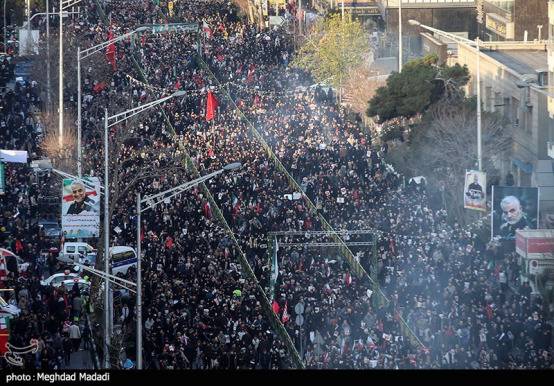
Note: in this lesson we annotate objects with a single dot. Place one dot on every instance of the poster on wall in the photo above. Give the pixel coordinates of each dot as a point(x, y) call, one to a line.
point(513, 208)
point(475, 196)
point(81, 207)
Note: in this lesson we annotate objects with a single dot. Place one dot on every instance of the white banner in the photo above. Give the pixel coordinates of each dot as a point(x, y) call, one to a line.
point(81, 207)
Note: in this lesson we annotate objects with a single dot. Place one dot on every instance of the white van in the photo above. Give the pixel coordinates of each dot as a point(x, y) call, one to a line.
point(73, 250)
point(122, 258)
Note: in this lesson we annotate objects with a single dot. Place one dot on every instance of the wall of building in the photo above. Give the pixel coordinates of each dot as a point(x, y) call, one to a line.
point(527, 15)
point(446, 19)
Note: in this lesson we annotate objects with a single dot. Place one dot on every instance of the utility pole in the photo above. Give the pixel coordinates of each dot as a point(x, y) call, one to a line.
point(399, 35)
point(48, 92)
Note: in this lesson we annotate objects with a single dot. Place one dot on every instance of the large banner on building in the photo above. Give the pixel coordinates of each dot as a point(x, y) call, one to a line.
point(475, 194)
point(513, 208)
point(81, 207)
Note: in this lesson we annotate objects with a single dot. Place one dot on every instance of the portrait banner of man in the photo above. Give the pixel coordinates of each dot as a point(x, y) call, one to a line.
point(81, 207)
point(513, 208)
point(475, 193)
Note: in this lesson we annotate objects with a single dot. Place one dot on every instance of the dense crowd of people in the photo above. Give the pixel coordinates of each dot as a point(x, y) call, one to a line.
point(461, 300)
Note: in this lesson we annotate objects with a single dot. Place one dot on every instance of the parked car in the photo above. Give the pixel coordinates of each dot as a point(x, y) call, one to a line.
point(73, 250)
point(57, 279)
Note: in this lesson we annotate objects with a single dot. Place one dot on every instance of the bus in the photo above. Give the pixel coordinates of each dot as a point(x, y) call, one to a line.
point(122, 258)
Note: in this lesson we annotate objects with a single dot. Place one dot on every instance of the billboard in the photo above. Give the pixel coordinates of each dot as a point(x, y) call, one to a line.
point(513, 208)
point(81, 207)
point(475, 195)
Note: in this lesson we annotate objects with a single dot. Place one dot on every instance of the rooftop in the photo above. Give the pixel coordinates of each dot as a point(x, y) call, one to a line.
point(521, 61)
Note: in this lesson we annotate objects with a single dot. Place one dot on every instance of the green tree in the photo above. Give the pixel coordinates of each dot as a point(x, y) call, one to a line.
point(332, 49)
point(421, 83)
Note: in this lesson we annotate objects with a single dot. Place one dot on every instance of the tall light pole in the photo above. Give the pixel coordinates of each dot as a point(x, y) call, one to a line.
point(83, 54)
point(48, 92)
point(475, 44)
point(150, 202)
point(5, 29)
point(110, 121)
point(64, 4)
point(399, 35)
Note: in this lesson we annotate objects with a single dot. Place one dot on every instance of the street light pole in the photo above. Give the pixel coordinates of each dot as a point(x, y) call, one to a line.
point(110, 121)
point(399, 35)
point(152, 201)
point(83, 54)
point(68, 4)
point(60, 83)
point(106, 246)
point(5, 29)
point(79, 112)
point(139, 290)
point(479, 149)
point(48, 95)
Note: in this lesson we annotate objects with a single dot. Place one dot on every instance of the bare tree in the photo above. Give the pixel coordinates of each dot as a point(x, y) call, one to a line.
point(360, 86)
point(444, 146)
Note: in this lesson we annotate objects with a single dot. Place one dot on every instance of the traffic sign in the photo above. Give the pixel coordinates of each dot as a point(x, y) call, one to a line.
point(299, 320)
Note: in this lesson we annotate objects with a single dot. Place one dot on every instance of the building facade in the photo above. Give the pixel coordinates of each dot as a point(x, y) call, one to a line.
point(514, 84)
point(517, 20)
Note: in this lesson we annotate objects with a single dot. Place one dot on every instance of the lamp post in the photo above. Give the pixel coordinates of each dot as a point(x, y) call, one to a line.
point(83, 54)
point(110, 121)
point(399, 35)
point(64, 4)
point(475, 44)
point(150, 202)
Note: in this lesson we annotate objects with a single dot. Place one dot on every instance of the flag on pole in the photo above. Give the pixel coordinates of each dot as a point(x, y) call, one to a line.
point(286, 316)
point(275, 307)
point(274, 268)
point(3, 269)
point(211, 106)
point(347, 279)
point(110, 51)
point(206, 29)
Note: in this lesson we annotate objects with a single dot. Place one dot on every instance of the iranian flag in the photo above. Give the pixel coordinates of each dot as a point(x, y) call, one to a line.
point(286, 316)
point(206, 29)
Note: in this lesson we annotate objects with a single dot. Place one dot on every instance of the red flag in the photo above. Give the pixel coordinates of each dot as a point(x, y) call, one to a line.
point(348, 279)
point(142, 40)
point(285, 318)
point(275, 307)
point(18, 246)
point(110, 51)
point(178, 85)
point(211, 106)
point(250, 76)
point(206, 208)
point(98, 87)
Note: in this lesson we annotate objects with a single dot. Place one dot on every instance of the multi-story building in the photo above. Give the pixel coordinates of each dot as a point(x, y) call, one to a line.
point(514, 84)
point(512, 19)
